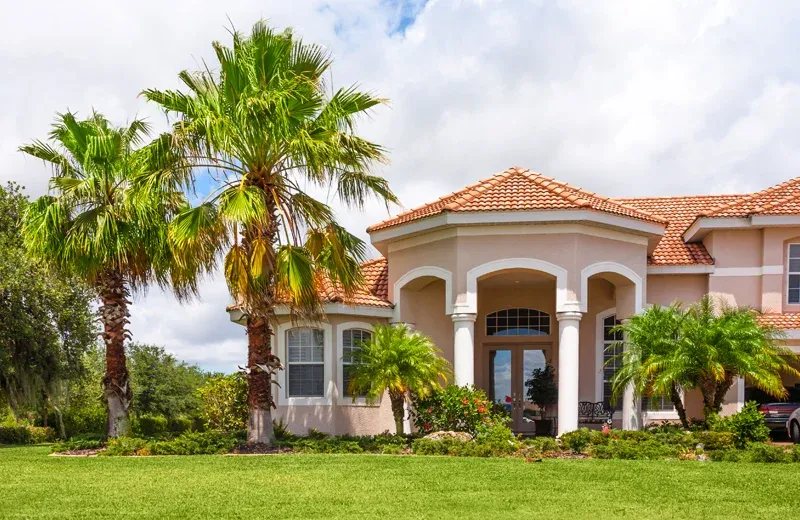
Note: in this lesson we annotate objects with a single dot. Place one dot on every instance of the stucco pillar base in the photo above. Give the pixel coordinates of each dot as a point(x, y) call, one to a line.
point(568, 374)
point(464, 348)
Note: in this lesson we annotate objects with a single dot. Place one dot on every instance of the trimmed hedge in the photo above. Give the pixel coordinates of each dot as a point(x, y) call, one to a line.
point(26, 434)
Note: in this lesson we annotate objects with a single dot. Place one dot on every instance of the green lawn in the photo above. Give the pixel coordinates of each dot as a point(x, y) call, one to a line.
point(35, 485)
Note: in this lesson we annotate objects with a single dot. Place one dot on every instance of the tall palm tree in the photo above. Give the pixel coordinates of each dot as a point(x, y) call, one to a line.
point(651, 340)
point(98, 226)
point(268, 131)
point(400, 361)
point(723, 343)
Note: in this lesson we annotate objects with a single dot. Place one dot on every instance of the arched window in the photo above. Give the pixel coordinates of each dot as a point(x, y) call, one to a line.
point(305, 362)
point(518, 322)
point(351, 342)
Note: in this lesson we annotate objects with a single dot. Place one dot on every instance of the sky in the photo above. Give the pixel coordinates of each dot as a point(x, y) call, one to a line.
point(625, 98)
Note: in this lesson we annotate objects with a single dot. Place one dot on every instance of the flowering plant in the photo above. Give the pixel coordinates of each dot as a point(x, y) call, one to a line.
point(457, 408)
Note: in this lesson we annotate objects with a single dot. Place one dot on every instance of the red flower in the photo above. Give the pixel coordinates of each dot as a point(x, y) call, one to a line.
point(482, 409)
point(508, 398)
point(428, 410)
point(464, 401)
point(426, 426)
point(477, 400)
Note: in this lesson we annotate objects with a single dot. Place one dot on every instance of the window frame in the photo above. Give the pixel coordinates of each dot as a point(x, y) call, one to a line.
point(342, 399)
point(541, 315)
point(280, 341)
point(789, 272)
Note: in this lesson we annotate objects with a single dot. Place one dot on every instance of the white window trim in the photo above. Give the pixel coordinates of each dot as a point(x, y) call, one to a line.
point(325, 400)
point(341, 399)
point(789, 271)
point(549, 326)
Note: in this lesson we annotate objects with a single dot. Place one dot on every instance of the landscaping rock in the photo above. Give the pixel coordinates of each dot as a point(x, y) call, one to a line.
point(441, 435)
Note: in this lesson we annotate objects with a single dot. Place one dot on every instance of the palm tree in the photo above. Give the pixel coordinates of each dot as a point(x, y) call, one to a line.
point(268, 132)
point(400, 361)
point(98, 226)
point(723, 343)
point(651, 340)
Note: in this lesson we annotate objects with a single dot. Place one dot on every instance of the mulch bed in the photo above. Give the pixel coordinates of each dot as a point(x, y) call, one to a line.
point(258, 449)
point(78, 453)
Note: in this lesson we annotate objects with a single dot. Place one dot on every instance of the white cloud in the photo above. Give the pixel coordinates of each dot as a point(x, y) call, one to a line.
point(624, 98)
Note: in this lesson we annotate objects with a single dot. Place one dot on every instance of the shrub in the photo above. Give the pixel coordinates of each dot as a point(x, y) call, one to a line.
point(453, 447)
point(78, 444)
point(180, 425)
point(84, 419)
point(26, 434)
point(795, 455)
point(498, 438)
point(150, 426)
point(224, 403)
point(747, 426)
point(664, 427)
point(713, 440)
point(124, 446)
point(315, 434)
point(543, 444)
point(195, 443)
point(578, 440)
point(760, 452)
point(281, 429)
point(327, 445)
point(456, 408)
point(635, 450)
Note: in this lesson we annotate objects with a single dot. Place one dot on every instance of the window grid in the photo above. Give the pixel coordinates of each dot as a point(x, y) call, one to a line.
point(305, 371)
point(351, 342)
point(793, 278)
point(518, 322)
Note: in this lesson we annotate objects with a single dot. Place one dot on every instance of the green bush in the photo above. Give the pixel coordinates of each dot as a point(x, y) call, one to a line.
point(543, 444)
point(634, 450)
point(26, 434)
point(150, 426)
point(498, 438)
point(795, 455)
point(327, 446)
point(713, 440)
point(456, 408)
point(578, 440)
point(747, 426)
point(180, 425)
point(281, 429)
point(78, 444)
point(124, 446)
point(454, 447)
point(195, 443)
point(224, 403)
point(760, 452)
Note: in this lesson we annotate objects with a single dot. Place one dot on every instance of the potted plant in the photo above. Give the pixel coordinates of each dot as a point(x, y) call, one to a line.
point(543, 392)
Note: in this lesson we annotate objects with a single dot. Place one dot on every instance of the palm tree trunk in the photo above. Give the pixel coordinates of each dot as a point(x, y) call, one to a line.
point(259, 387)
point(677, 402)
point(398, 401)
point(114, 316)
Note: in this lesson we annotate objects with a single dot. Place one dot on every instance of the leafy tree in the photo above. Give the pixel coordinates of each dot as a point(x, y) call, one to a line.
point(103, 227)
point(46, 323)
point(652, 339)
point(224, 402)
point(401, 362)
point(268, 130)
point(161, 384)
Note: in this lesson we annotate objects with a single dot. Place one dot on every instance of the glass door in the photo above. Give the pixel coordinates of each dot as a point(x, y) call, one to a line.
point(532, 362)
point(500, 378)
point(510, 368)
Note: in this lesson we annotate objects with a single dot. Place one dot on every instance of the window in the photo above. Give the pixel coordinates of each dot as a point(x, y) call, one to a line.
point(793, 295)
point(518, 322)
point(612, 347)
point(351, 342)
point(611, 361)
point(305, 362)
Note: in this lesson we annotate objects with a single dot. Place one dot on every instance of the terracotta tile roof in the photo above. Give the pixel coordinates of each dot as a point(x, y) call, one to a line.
point(680, 212)
point(375, 292)
point(781, 199)
point(518, 189)
point(788, 320)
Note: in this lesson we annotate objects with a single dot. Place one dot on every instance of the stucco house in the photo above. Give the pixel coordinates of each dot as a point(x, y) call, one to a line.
point(519, 269)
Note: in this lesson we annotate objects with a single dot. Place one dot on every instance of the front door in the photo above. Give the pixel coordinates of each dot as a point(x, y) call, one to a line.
point(510, 366)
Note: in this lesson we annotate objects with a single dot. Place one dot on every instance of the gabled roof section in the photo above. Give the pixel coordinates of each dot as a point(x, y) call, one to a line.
point(781, 199)
point(519, 189)
point(680, 212)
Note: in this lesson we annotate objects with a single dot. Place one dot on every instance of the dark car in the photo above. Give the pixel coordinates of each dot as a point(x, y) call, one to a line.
point(775, 412)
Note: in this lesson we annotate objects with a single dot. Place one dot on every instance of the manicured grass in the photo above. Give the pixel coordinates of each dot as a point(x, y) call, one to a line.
point(35, 485)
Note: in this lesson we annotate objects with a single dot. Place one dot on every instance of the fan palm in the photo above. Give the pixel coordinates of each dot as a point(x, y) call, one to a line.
point(401, 362)
point(651, 339)
point(268, 132)
point(96, 225)
point(723, 343)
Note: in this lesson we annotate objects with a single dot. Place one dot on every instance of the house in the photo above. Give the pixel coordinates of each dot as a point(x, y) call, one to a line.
point(519, 269)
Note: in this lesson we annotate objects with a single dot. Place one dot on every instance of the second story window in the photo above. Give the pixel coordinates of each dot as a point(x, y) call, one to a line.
point(793, 295)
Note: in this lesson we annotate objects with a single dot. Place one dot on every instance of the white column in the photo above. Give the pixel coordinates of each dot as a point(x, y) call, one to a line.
point(631, 405)
point(568, 347)
point(464, 348)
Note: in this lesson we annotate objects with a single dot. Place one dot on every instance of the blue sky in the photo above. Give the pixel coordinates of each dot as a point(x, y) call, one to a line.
point(625, 98)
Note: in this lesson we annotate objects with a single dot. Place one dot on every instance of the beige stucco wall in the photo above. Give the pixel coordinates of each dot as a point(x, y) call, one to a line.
point(341, 416)
point(666, 289)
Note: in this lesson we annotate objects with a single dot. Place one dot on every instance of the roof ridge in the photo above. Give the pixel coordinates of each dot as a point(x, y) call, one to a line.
point(749, 197)
point(674, 197)
point(494, 180)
